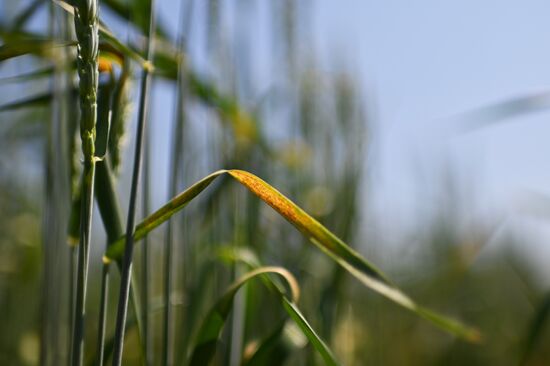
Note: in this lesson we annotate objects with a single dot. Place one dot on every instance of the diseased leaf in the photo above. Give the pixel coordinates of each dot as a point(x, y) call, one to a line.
point(335, 248)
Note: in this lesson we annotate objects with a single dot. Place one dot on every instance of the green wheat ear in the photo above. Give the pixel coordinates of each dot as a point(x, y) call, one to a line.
point(86, 28)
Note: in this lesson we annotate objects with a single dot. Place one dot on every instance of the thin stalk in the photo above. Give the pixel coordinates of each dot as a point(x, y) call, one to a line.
point(102, 314)
point(86, 27)
point(71, 302)
point(110, 213)
point(176, 154)
point(147, 344)
point(122, 310)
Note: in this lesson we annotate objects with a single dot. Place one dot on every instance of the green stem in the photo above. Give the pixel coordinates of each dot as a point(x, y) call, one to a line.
point(126, 275)
point(147, 345)
point(82, 262)
point(86, 28)
point(102, 314)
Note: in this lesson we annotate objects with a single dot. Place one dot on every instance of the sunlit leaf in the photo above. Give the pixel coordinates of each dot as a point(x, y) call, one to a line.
point(345, 256)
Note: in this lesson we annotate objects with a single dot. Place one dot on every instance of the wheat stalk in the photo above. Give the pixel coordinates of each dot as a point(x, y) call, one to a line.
point(86, 28)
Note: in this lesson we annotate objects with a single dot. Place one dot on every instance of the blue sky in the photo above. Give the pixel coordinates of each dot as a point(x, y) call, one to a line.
point(420, 64)
point(424, 62)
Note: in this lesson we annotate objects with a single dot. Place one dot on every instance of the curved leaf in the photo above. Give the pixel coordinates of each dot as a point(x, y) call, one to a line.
point(345, 256)
point(249, 258)
point(209, 332)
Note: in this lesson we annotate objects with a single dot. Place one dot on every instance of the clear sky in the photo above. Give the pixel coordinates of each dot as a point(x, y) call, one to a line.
point(424, 62)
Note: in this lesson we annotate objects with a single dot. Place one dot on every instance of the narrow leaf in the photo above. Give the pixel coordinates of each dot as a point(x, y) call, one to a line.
point(295, 314)
point(39, 47)
point(335, 248)
point(209, 332)
point(250, 259)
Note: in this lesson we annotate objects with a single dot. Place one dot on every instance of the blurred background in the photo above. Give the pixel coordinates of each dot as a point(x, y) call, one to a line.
point(416, 132)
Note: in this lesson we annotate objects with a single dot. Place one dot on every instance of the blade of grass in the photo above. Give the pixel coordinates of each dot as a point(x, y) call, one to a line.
point(103, 300)
point(128, 253)
point(209, 332)
point(251, 260)
point(325, 352)
point(145, 260)
point(38, 47)
point(335, 248)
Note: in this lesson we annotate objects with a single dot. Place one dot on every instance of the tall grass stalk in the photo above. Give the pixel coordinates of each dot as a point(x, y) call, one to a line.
point(107, 202)
point(145, 260)
point(126, 273)
point(175, 173)
point(86, 27)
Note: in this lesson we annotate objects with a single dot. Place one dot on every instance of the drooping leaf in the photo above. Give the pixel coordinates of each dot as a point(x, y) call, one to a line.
point(250, 259)
point(209, 332)
point(335, 248)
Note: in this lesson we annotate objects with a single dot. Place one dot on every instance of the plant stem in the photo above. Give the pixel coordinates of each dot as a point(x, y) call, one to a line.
point(176, 156)
point(145, 261)
point(126, 274)
point(86, 27)
point(82, 262)
point(102, 314)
